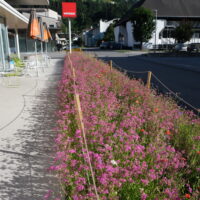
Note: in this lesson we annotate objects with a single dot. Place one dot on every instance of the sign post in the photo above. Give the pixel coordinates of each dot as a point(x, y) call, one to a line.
point(69, 11)
point(70, 37)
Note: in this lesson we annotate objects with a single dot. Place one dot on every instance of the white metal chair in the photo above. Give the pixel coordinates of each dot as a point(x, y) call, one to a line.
point(31, 66)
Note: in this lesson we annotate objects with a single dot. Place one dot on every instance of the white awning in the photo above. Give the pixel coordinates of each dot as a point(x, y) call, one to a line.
point(14, 19)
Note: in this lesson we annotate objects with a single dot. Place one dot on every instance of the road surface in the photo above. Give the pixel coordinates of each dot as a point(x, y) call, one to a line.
point(180, 74)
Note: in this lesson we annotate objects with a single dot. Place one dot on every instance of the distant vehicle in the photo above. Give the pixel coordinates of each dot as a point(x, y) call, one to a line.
point(74, 48)
point(104, 45)
point(115, 45)
point(193, 47)
point(59, 47)
point(111, 45)
point(148, 46)
point(181, 47)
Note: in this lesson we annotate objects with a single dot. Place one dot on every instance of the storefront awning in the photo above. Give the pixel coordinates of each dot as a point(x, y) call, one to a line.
point(14, 19)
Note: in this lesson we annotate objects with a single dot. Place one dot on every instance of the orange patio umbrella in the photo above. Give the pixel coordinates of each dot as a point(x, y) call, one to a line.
point(34, 31)
point(47, 35)
point(41, 37)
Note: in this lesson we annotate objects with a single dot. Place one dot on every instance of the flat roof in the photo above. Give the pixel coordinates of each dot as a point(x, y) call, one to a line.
point(14, 19)
point(29, 2)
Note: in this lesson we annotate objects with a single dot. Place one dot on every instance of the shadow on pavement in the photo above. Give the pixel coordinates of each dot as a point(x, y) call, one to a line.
point(32, 179)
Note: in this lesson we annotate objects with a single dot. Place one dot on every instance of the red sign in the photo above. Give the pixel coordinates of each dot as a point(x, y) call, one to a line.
point(69, 10)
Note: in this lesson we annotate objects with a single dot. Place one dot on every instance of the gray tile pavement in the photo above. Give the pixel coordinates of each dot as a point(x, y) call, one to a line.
point(27, 119)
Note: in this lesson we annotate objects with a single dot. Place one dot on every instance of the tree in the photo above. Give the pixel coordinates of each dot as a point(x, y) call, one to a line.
point(109, 34)
point(183, 33)
point(89, 12)
point(143, 24)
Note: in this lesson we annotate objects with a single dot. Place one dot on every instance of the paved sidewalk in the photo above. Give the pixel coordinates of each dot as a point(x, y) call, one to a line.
point(27, 119)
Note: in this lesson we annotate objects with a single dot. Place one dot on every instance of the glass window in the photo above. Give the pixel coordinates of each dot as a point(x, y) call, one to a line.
point(1, 54)
point(11, 37)
point(22, 40)
point(30, 45)
point(4, 48)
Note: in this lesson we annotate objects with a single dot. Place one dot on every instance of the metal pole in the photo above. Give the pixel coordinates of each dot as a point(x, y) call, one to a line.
point(17, 43)
point(2, 50)
point(70, 42)
point(155, 29)
point(36, 57)
point(41, 43)
point(35, 48)
point(46, 47)
point(8, 43)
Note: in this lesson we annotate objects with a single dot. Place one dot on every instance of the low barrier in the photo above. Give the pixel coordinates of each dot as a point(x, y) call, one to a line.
point(152, 81)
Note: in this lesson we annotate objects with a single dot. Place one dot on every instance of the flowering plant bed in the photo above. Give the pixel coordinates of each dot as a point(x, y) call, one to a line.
point(140, 145)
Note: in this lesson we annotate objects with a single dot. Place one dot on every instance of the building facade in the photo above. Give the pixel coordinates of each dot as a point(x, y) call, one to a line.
point(92, 36)
point(14, 18)
point(168, 15)
point(10, 18)
point(50, 17)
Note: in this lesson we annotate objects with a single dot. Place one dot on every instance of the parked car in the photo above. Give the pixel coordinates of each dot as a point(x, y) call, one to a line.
point(111, 45)
point(193, 47)
point(181, 47)
point(104, 45)
point(148, 46)
point(115, 45)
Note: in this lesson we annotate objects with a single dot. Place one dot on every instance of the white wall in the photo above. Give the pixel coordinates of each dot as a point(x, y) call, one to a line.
point(52, 14)
point(49, 13)
point(103, 25)
point(130, 38)
point(116, 33)
point(160, 25)
point(123, 31)
point(50, 17)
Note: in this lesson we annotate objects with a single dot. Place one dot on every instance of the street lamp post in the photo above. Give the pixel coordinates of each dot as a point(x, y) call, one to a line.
point(156, 16)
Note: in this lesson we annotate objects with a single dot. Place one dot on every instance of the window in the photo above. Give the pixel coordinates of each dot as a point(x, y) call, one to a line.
point(167, 33)
point(4, 47)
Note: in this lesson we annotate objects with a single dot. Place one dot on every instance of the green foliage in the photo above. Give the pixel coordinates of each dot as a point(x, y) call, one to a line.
point(89, 12)
point(143, 24)
point(183, 33)
point(109, 34)
point(18, 62)
point(130, 191)
point(187, 140)
point(13, 74)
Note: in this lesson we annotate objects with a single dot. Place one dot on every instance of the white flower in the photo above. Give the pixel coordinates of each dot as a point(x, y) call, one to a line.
point(113, 162)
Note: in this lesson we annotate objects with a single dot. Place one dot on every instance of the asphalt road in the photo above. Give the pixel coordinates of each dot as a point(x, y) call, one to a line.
point(174, 72)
